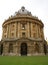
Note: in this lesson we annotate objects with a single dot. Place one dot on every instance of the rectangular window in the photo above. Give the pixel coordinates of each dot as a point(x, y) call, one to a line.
point(23, 34)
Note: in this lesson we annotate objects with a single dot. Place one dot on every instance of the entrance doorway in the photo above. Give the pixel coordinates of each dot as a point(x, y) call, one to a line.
point(23, 49)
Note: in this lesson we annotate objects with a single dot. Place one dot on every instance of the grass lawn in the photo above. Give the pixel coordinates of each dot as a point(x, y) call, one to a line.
point(23, 60)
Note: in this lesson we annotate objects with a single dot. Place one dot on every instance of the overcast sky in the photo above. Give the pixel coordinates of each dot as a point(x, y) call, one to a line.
point(38, 8)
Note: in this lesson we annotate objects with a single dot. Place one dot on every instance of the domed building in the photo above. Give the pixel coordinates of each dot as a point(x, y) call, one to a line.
point(23, 35)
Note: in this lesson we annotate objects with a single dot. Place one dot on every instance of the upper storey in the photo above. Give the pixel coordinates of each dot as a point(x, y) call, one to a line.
point(23, 14)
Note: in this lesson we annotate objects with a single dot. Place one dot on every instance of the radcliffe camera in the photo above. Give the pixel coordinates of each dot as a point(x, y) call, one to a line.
point(23, 35)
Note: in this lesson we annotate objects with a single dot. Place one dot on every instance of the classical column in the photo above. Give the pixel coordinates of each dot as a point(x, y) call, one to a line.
point(15, 35)
point(9, 33)
point(28, 29)
point(42, 33)
point(37, 30)
point(31, 30)
point(18, 29)
point(7, 30)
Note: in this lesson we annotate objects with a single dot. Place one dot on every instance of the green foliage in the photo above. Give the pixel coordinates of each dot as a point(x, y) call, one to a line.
point(23, 60)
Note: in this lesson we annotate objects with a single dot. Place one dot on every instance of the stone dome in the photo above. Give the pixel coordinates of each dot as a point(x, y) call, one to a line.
point(23, 11)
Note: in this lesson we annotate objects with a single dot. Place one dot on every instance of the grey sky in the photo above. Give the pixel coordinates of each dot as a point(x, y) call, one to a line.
point(38, 8)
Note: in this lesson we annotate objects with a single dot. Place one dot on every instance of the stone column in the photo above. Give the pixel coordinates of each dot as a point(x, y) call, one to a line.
point(16, 49)
point(31, 30)
point(28, 29)
point(7, 30)
point(42, 33)
point(15, 35)
point(37, 30)
point(18, 29)
point(9, 33)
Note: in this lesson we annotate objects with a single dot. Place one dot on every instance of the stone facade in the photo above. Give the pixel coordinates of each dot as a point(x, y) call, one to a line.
point(22, 35)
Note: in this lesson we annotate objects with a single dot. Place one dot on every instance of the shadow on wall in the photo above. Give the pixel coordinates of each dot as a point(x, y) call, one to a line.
point(45, 47)
point(1, 49)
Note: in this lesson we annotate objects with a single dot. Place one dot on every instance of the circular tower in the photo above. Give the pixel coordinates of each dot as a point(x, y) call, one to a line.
point(23, 34)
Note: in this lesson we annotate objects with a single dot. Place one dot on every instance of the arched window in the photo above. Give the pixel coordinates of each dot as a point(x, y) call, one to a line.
point(10, 48)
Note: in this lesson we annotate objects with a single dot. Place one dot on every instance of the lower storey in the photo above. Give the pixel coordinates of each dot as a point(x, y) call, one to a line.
point(22, 47)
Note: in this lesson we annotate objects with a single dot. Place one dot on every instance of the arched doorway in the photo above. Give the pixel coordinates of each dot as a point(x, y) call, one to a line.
point(23, 49)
